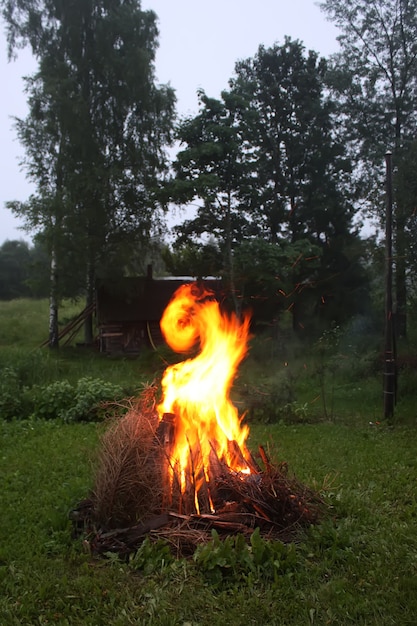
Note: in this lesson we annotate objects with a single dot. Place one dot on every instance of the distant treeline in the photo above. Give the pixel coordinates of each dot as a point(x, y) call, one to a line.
point(23, 271)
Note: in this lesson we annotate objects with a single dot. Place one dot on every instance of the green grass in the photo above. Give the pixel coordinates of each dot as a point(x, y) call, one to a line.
point(281, 382)
point(24, 327)
point(358, 567)
point(24, 322)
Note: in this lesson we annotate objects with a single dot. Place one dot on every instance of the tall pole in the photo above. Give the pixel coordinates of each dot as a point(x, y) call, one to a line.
point(389, 353)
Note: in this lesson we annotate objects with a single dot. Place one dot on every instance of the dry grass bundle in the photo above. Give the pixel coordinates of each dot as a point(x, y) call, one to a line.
point(128, 482)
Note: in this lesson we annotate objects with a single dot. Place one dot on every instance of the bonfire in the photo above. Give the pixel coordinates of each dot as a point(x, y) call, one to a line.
point(177, 464)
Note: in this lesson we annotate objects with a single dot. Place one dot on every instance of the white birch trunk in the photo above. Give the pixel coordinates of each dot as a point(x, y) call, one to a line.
point(53, 303)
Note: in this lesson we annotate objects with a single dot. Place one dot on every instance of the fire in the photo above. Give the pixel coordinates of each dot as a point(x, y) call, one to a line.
point(207, 431)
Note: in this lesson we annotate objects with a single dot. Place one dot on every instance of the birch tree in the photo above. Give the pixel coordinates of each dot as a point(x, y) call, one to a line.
point(104, 122)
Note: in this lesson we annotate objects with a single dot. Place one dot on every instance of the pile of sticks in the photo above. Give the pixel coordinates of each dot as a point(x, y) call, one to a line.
point(267, 499)
point(137, 491)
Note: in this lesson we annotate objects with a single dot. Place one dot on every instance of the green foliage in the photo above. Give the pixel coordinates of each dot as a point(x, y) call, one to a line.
point(375, 78)
point(152, 557)
point(358, 567)
point(266, 272)
point(23, 270)
point(296, 412)
point(95, 133)
point(193, 259)
point(89, 396)
point(271, 403)
point(272, 175)
point(11, 405)
point(336, 377)
point(231, 560)
point(266, 402)
point(212, 168)
point(298, 190)
point(223, 560)
point(405, 183)
point(53, 400)
point(34, 384)
point(74, 403)
point(14, 269)
point(379, 67)
point(20, 372)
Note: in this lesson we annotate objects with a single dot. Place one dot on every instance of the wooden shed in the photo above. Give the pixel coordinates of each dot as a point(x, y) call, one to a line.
point(128, 311)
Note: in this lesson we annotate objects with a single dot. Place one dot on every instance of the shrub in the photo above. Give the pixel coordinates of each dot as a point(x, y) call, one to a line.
point(52, 401)
point(74, 403)
point(60, 399)
point(90, 395)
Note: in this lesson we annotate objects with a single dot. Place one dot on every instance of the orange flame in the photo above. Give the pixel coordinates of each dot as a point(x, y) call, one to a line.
point(196, 391)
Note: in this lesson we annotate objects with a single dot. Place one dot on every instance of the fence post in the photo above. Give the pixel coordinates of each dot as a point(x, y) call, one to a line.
point(389, 349)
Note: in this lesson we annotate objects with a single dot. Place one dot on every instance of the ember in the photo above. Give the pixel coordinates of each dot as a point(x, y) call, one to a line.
point(180, 467)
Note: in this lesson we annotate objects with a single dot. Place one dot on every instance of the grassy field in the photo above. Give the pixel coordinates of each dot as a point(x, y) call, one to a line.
point(359, 566)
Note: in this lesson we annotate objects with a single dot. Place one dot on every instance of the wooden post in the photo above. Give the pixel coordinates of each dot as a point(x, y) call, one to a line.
point(389, 351)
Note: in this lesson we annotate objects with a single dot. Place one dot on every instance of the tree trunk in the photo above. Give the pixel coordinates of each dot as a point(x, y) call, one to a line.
point(389, 365)
point(237, 303)
point(53, 303)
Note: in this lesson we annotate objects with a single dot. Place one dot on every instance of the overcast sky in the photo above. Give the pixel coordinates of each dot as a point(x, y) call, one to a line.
point(199, 43)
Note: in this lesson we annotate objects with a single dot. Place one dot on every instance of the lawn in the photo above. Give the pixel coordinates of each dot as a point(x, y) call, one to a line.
point(358, 567)
point(319, 412)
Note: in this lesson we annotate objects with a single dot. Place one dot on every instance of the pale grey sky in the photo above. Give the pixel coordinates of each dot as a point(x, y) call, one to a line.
point(199, 45)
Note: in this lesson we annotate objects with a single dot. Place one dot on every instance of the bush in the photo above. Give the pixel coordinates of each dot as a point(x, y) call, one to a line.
point(58, 400)
point(90, 395)
point(52, 401)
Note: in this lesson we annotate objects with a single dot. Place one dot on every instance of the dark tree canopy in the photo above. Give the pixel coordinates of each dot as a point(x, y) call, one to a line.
point(14, 270)
point(211, 169)
point(271, 176)
point(98, 125)
point(375, 76)
point(378, 61)
point(299, 160)
point(23, 270)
